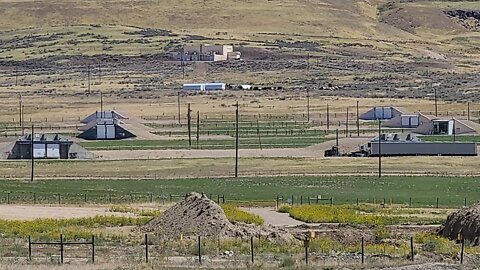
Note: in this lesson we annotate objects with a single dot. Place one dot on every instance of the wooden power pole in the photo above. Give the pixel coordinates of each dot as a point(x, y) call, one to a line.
point(189, 119)
point(236, 139)
point(33, 155)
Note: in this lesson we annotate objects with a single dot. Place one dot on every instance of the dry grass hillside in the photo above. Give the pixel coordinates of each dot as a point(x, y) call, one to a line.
point(370, 48)
point(346, 18)
point(377, 24)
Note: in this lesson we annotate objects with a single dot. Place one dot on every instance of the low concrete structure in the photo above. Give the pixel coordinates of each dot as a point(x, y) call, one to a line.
point(105, 129)
point(47, 146)
point(381, 113)
point(206, 52)
point(409, 145)
point(404, 121)
point(431, 125)
point(102, 115)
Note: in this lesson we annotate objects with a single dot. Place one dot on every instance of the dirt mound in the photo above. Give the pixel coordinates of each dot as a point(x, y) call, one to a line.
point(465, 223)
point(197, 215)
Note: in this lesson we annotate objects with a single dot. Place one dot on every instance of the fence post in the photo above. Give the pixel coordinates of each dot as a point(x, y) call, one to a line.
point(85, 197)
point(146, 248)
point(363, 250)
point(151, 198)
point(463, 249)
point(58, 198)
point(199, 250)
point(93, 248)
point(61, 248)
point(437, 202)
point(8, 197)
point(301, 200)
point(29, 248)
point(411, 249)
point(465, 203)
point(306, 243)
point(410, 202)
point(251, 248)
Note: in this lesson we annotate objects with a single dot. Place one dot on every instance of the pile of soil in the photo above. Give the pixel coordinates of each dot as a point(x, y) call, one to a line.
point(197, 215)
point(464, 223)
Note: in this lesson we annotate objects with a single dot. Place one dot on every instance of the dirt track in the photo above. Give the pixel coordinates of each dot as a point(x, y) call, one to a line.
point(272, 217)
point(30, 212)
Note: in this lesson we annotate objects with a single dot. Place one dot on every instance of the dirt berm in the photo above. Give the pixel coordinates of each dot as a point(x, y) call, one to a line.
point(464, 223)
point(197, 215)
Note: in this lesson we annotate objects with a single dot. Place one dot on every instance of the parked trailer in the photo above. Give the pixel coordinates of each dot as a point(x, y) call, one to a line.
point(194, 86)
point(214, 86)
point(204, 86)
point(389, 148)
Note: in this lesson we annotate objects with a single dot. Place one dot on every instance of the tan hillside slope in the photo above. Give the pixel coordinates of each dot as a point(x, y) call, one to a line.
point(346, 18)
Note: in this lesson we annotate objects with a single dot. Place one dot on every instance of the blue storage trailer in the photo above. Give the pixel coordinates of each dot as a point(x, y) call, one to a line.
point(204, 86)
point(194, 86)
point(214, 86)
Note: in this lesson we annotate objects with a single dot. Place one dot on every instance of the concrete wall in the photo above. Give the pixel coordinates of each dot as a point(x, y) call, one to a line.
point(120, 133)
point(426, 127)
point(380, 113)
point(205, 52)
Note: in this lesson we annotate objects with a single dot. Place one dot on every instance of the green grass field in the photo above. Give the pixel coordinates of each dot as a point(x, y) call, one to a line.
point(451, 191)
point(448, 138)
point(244, 143)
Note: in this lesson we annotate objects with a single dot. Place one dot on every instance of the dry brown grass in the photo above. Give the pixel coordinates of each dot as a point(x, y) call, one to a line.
point(40, 107)
point(211, 167)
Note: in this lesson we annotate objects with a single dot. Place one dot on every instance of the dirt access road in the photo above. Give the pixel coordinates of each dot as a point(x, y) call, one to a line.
point(274, 218)
point(31, 212)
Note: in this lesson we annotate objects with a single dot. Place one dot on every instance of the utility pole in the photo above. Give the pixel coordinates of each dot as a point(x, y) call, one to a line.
point(358, 122)
point(379, 149)
point(183, 68)
point(328, 117)
point(101, 104)
point(198, 127)
point(436, 104)
point(308, 105)
point(336, 139)
point(23, 119)
point(454, 139)
point(189, 118)
point(236, 140)
point(20, 123)
point(468, 110)
point(259, 136)
point(88, 78)
point(99, 72)
point(346, 125)
point(308, 62)
point(33, 156)
point(16, 76)
point(178, 105)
